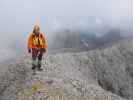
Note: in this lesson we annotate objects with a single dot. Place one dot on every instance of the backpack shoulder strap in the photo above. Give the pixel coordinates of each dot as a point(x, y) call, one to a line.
point(33, 35)
point(41, 35)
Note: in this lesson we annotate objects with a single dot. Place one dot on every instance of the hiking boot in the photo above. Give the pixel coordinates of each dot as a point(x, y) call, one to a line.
point(34, 63)
point(39, 67)
point(33, 67)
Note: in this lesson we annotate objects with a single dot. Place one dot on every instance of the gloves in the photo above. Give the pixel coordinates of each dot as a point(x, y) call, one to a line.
point(43, 50)
point(29, 50)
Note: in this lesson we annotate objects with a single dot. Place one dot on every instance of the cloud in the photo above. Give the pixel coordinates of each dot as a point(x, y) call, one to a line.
point(19, 16)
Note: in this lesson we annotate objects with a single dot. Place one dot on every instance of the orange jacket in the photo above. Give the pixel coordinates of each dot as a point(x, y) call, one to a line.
point(37, 41)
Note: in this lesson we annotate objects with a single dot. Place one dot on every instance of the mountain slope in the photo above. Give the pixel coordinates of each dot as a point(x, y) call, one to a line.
point(66, 76)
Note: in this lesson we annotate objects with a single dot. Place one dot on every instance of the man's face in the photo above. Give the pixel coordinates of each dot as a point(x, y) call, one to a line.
point(37, 30)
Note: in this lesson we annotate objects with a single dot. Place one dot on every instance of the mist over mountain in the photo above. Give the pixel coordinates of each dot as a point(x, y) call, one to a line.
point(82, 40)
point(97, 16)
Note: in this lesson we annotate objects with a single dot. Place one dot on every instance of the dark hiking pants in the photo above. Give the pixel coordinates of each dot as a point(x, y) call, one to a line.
point(37, 55)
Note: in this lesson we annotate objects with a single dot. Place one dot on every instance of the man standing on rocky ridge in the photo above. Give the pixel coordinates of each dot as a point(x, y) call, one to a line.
point(37, 45)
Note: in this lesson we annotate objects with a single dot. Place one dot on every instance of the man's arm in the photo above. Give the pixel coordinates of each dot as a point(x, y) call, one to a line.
point(44, 41)
point(29, 46)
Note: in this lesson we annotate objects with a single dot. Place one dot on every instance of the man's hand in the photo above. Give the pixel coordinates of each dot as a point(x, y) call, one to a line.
point(29, 50)
point(43, 50)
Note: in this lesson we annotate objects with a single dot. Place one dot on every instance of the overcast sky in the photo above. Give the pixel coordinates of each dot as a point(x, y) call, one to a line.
point(19, 16)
